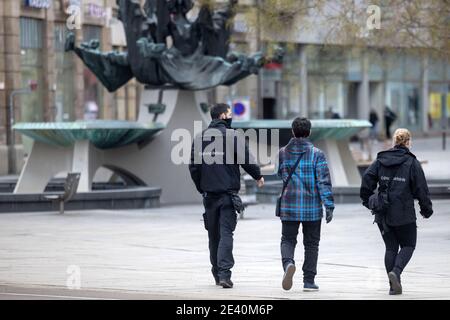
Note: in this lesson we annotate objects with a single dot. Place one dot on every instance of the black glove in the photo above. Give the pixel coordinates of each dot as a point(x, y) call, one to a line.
point(426, 214)
point(329, 214)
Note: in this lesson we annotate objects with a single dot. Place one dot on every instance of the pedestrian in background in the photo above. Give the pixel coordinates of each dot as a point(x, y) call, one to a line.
point(400, 180)
point(373, 119)
point(389, 118)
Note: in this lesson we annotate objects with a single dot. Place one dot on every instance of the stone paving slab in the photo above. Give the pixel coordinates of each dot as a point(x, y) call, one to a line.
point(162, 253)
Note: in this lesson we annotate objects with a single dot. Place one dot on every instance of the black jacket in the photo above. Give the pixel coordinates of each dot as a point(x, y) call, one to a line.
point(409, 183)
point(220, 177)
point(373, 118)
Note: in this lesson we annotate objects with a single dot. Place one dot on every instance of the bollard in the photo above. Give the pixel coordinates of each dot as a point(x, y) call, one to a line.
point(444, 140)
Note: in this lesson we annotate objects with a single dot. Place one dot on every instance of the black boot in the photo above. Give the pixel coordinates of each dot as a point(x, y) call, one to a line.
point(226, 283)
point(396, 286)
point(288, 275)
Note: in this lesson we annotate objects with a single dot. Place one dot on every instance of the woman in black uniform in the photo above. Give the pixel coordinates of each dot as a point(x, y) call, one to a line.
point(400, 180)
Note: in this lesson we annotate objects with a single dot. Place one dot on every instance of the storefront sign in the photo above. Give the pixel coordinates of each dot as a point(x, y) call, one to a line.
point(96, 11)
point(40, 4)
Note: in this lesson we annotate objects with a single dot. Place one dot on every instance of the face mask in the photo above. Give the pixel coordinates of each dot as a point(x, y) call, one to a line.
point(228, 121)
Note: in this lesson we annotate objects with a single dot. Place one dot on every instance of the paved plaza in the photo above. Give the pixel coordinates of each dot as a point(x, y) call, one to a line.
point(162, 254)
point(435, 160)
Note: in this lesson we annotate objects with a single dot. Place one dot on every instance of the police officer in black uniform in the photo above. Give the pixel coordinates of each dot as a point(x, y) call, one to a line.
point(215, 159)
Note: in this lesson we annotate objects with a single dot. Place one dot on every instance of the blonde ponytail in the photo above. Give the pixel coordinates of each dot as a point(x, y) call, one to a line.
point(402, 137)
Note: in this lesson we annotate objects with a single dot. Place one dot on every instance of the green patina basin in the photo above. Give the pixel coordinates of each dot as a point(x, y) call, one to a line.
point(321, 129)
point(104, 134)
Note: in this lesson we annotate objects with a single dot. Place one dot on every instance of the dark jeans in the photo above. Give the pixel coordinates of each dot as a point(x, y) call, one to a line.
point(404, 237)
point(311, 238)
point(221, 223)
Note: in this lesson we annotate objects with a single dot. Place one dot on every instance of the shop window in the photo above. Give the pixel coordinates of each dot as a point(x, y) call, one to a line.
point(326, 97)
point(93, 89)
point(376, 65)
point(413, 67)
point(331, 60)
point(436, 69)
point(64, 66)
point(439, 106)
point(393, 65)
point(354, 65)
point(404, 99)
point(31, 67)
point(447, 65)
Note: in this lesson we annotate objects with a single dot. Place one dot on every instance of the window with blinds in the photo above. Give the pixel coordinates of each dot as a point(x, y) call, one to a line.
point(64, 68)
point(93, 89)
point(31, 69)
point(31, 32)
point(91, 33)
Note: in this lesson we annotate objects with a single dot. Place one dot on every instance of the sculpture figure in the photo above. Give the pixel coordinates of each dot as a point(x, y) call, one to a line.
point(198, 59)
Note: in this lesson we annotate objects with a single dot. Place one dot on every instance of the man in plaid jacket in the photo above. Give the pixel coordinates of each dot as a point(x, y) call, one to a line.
point(308, 190)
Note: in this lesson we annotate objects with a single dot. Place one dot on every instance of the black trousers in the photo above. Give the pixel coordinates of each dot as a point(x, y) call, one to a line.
point(388, 129)
point(311, 238)
point(221, 222)
point(403, 237)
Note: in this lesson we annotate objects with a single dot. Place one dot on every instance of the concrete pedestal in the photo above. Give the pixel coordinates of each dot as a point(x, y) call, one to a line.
point(343, 168)
point(152, 163)
point(4, 166)
point(147, 163)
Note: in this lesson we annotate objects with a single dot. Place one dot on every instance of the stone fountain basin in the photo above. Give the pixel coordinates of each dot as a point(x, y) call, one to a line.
point(103, 134)
point(320, 129)
point(331, 136)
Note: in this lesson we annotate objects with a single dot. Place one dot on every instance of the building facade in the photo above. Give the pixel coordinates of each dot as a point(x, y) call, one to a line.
point(320, 77)
point(352, 81)
point(32, 36)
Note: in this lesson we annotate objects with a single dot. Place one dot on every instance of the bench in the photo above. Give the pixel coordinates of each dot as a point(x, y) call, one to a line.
point(70, 189)
point(156, 109)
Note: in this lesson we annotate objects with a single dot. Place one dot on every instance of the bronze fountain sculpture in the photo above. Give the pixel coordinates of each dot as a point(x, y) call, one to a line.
point(198, 59)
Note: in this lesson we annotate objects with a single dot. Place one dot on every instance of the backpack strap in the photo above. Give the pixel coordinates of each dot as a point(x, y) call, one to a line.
point(291, 172)
point(391, 177)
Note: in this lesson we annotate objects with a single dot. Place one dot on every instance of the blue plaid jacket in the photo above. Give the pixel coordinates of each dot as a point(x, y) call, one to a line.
point(310, 186)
